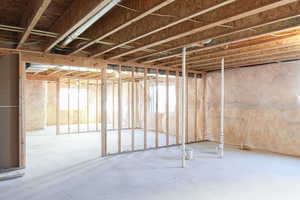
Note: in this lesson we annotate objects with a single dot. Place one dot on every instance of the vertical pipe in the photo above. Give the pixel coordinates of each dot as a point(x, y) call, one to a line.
point(196, 106)
point(129, 107)
point(187, 109)
point(167, 108)
point(183, 103)
point(113, 103)
point(177, 108)
point(97, 106)
point(103, 112)
point(132, 110)
point(156, 110)
point(221, 145)
point(87, 106)
point(119, 109)
point(58, 107)
point(78, 107)
point(145, 107)
point(69, 82)
point(204, 108)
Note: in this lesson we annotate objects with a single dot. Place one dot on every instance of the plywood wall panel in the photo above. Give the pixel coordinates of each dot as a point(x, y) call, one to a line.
point(36, 101)
point(262, 107)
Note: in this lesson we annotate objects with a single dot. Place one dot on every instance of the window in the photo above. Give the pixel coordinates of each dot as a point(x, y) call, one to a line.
point(63, 101)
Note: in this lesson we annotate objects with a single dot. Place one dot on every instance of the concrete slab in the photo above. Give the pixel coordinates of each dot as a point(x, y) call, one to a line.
point(156, 174)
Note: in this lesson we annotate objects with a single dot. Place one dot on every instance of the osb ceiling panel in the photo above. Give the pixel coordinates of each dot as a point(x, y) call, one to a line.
point(11, 10)
point(53, 12)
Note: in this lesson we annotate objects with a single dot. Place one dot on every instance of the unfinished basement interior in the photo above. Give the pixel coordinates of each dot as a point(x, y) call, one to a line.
point(149, 99)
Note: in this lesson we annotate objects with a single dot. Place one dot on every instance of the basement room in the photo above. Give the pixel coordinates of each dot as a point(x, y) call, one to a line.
point(149, 99)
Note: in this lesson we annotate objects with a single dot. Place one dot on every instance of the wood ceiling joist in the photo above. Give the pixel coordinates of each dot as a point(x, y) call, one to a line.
point(167, 24)
point(119, 21)
point(278, 59)
point(54, 72)
point(290, 53)
point(244, 34)
point(78, 13)
point(246, 56)
point(269, 45)
point(230, 13)
point(76, 61)
point(34, 11)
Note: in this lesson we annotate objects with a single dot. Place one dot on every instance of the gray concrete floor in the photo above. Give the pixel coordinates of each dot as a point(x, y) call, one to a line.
point(153, 174)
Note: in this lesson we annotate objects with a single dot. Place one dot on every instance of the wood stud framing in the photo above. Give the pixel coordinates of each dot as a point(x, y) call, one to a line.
point(103, 112)
point(167, 109)
point(196, 107)
point(282, 23)
point(58, 107)
point(132, 111)
point(119, 108)
point(145, 108)
point(156, 110)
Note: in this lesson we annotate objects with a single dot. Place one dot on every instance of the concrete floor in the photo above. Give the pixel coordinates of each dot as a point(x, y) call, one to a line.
point(153, 174)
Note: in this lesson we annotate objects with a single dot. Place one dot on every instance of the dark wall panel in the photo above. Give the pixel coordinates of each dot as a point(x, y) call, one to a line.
point(9, 111)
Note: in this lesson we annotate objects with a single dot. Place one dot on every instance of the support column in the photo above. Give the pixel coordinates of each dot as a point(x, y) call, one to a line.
point(221, 145)
point(145, 107)
point(183, 108)
point(156, 110)
point(87, 106)
point(119, 109)
point(69, 83)
point(196, 107)
point(58, 107)
point(177, 108)
point(167, 109)
point(78, 107)
point(204, 108)
point(97, 107)
point(103, 112)
point(113, 104)
point(132, 111)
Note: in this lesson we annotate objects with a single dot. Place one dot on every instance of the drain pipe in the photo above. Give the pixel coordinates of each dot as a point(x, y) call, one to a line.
point(221, 145)
point(183, 103)
point(90, 22)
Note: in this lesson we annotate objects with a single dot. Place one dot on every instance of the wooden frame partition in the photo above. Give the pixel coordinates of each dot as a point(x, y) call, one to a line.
point(50, 59)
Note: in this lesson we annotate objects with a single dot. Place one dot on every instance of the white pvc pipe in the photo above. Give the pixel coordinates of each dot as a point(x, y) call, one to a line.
point(183, 102)
point(221, 145)
point(90, 22)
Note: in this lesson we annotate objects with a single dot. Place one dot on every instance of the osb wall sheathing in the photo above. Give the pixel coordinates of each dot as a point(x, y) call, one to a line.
point(262, 107)
point(35, 104)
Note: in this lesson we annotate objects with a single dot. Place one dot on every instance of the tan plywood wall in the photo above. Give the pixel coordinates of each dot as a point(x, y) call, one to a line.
point(262, 107)
point(35, 104)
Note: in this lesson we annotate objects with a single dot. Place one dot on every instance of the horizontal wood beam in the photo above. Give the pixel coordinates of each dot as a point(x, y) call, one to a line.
point(243, 51)
point(34, 11)
point(239, 47)
point(241, 36)
point(257, 62)
point(230, 13)
point(78, 61)
point(247, 28)
point(118, 20)
point(54, 72)
point(78, 13)
point(258, 58)
point(151, 29)
point(260, 53)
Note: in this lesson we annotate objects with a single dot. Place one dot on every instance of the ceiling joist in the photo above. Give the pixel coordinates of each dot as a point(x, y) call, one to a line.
point(230, 13)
